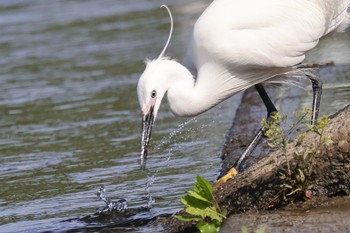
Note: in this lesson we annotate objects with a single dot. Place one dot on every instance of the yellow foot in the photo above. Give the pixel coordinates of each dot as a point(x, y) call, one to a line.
point(229, 175)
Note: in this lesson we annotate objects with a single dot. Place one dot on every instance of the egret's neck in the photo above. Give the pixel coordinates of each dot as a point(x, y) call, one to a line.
point(186, 97)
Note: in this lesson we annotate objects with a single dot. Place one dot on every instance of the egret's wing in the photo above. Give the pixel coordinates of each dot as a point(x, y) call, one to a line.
point(264, 33)
point(239, 43)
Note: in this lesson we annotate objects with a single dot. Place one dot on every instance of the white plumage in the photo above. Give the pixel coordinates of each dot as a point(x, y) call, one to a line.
point(236, 44)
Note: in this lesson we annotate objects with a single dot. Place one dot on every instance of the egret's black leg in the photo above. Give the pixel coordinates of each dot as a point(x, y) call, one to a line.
point(316, 88)
point(317, 92)
point(271, 110)
point(249, 149)
point(270, 107)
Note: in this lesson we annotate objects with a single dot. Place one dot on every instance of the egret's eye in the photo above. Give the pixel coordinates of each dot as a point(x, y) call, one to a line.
point(153, 93)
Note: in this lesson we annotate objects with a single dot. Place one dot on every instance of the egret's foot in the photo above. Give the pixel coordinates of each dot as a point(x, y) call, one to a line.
point(229, 175)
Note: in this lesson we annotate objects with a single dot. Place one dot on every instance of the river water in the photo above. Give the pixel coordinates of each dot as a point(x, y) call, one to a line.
point(69, 117)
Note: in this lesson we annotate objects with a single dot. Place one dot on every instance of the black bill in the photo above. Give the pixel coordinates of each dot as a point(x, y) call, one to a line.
point(147, 123)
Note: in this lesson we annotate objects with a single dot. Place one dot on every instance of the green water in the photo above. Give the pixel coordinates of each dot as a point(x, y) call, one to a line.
point(69, 117)
point(70, 121)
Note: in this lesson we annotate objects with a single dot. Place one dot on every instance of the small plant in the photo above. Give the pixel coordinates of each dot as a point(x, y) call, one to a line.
point(319, 128)
point(274, 131)
point(202, 207)
point(296, 182)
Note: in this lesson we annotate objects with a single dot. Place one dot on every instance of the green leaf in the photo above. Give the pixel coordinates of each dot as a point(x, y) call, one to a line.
point(204, 188)
point(301, 176)
point(205, 227)
point(201, 204)
point(196, 211)
point(323, 122)
point(327, 140)
point(187, 219)
point(197, 195)
point(209, 212)
point(194, 202)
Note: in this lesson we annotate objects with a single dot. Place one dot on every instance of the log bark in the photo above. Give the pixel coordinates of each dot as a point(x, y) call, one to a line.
point(260, 187)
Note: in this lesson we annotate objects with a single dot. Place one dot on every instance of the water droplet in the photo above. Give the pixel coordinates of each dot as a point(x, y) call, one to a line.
point(111, 205)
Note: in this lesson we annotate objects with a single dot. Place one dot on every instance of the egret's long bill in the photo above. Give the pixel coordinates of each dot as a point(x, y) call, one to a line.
point(147, 123)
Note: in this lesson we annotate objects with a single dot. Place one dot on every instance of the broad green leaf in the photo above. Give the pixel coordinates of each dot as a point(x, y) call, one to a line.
point(204, 188)
point(209, 212)
point(205, 227)
point(187, 219)
point(197, 195)
point(202, 205)
point(194, 202)
point(195, 211)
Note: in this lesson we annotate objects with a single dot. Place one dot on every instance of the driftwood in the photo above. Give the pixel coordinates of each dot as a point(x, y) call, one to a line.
point(259, 187)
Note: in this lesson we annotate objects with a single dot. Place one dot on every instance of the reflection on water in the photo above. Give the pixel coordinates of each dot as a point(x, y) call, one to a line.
point(70, 120)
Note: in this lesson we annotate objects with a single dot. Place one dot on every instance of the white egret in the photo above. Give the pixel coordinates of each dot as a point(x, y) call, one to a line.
point(237, 44)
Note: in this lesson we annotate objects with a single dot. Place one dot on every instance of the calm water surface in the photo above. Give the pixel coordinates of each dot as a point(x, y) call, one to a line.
point(69, 117)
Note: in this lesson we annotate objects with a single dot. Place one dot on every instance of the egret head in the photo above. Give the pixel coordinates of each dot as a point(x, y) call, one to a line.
point(150, 90)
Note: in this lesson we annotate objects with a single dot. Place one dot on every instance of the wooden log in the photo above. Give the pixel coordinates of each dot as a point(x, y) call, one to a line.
point(259, 187)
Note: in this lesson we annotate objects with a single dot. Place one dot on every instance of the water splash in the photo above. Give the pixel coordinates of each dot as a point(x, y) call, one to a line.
point(168, 139)
point(118, 205)
point(101, 195)
point(151, 177)
point(150, 200)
